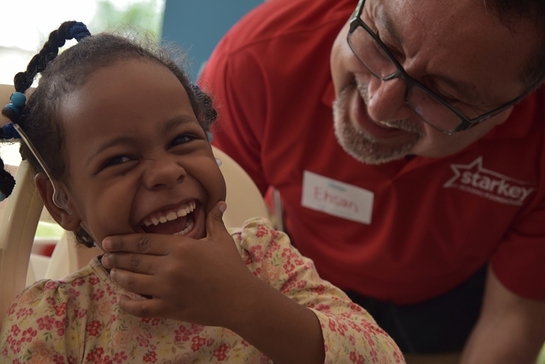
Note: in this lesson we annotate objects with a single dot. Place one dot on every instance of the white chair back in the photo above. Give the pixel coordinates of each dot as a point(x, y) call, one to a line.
point(18, 227)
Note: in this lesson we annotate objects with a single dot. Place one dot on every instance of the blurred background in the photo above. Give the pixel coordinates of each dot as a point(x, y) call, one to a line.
point(26, 24)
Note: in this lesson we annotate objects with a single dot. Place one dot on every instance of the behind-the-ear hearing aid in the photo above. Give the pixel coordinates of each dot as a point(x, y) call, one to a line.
point(60, 199)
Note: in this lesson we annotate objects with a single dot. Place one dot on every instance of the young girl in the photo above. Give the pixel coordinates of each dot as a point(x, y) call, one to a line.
point(123, 159)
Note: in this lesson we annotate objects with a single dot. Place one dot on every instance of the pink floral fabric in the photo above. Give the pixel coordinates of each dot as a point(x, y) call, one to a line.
point(78, 320)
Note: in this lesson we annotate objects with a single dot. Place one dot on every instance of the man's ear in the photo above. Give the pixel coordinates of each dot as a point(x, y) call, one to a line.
point(62, 215)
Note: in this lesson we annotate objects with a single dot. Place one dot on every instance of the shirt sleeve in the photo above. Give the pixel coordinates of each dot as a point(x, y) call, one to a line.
point(350, 333)
point(237, 84)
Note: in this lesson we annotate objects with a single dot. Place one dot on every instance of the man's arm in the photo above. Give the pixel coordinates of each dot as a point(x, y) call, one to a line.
point(511, 328)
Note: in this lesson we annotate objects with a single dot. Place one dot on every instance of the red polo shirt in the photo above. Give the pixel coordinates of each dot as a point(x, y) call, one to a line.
point(403, 231)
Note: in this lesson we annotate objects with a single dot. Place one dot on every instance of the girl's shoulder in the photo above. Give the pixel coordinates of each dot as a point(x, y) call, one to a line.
point(71, 291)
point(51, 315)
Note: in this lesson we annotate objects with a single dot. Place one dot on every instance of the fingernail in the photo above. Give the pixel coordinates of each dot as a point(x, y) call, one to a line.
point(106, 244)
point(223, 207)
point(105, 261)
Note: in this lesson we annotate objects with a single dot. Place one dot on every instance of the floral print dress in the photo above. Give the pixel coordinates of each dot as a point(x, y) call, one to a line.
point(78, 319)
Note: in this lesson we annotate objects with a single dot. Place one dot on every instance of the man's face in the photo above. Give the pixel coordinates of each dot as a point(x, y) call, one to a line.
point(457, 49)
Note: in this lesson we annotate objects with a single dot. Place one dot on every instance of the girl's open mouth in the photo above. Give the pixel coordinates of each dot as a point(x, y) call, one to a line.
point(177, 221)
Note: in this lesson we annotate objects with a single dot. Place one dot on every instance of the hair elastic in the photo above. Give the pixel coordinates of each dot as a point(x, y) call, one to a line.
point(9, 132)
point(79, 31)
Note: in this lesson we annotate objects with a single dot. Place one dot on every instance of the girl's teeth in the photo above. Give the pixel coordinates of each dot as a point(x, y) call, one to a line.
point(172, 216)
point(188, 227)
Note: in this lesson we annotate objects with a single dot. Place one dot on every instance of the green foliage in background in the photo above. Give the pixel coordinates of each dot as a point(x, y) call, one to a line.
point(541, 358)
point(144, 15)
point(49, 230)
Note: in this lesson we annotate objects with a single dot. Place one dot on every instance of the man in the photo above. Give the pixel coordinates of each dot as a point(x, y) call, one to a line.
point(410, 162)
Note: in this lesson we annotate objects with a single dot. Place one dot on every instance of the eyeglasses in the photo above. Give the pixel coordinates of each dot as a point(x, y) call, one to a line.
point(432, 108)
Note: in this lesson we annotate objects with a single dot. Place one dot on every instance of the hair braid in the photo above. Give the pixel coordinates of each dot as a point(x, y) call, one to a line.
point(23, 81)
point(38, 63)
point(7, 182)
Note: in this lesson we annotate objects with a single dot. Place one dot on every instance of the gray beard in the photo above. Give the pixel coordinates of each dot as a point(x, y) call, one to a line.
point(363, 146)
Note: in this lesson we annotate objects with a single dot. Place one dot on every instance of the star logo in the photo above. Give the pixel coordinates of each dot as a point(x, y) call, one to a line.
point(475, 179)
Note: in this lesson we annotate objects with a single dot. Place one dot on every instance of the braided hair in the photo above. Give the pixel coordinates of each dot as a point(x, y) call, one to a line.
point(23, 81)
point(40, 117)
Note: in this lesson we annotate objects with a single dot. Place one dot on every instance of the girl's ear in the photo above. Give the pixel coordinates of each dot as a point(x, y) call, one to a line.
point(62, 215)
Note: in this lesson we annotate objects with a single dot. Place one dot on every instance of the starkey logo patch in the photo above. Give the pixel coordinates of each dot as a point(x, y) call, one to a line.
point(473, 178)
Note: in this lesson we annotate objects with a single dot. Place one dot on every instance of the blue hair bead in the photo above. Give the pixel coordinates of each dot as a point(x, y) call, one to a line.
point(2, 196)
point(9, 131)
point(210, 136)
point(18, 99)
point(12, 107)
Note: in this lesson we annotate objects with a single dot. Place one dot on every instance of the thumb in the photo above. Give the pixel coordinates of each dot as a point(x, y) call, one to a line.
point(214, 220)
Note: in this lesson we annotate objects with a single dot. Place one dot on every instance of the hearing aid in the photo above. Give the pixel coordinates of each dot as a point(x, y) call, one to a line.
point(60, 199)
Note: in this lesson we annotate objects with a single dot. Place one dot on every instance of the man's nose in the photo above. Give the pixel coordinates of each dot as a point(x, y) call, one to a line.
point(386, 99)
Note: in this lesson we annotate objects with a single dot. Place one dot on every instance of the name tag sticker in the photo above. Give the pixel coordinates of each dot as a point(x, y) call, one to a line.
point(337, 198)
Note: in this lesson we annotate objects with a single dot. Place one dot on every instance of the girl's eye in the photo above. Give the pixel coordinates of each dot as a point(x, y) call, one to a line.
point(118, 159)
point(182, 139)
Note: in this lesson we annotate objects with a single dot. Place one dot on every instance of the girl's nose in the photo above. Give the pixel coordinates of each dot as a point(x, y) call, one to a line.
point(164, 172)
point(386, 100)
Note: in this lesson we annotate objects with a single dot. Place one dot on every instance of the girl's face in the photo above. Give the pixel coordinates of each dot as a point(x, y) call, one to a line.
point(137, 158)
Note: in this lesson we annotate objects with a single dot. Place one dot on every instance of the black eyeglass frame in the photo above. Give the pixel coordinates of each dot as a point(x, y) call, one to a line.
point(466, 123)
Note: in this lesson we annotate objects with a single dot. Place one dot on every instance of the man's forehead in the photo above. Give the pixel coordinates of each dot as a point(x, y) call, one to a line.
point(455, 43)
point(392, 23)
